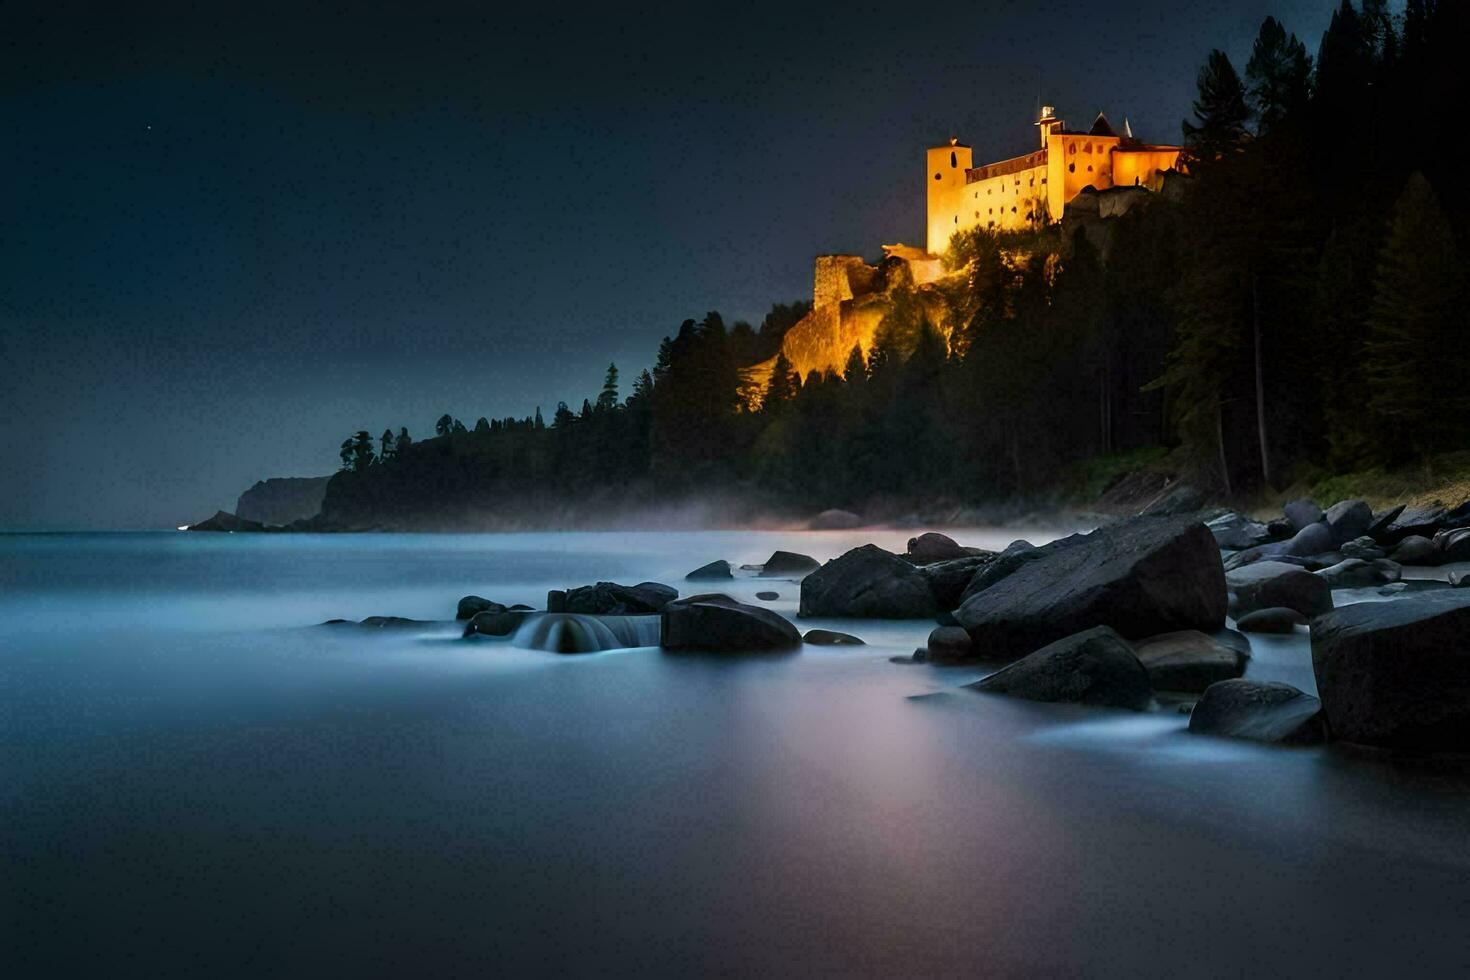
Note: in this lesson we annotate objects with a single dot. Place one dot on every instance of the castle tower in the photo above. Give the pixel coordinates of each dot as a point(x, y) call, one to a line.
point(1048, 123)
point(945, 178)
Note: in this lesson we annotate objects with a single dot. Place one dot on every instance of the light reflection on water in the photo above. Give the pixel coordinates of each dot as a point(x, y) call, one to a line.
point(195, 776)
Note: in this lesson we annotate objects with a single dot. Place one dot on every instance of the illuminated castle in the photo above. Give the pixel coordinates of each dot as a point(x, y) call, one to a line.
point(850, 297)
point(1031, 190)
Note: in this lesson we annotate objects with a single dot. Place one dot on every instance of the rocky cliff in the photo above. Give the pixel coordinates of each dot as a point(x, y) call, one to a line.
point(283, 499)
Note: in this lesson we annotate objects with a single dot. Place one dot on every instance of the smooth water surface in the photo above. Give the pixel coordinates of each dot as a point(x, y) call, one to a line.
point(195, 779)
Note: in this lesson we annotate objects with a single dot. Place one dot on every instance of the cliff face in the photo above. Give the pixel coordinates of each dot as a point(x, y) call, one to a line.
point(283, 499)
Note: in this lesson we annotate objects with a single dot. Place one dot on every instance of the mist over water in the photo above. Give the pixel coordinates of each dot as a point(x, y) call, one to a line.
point(195, 778)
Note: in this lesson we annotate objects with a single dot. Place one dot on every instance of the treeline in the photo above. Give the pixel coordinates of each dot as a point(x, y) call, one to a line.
point(1298, 307)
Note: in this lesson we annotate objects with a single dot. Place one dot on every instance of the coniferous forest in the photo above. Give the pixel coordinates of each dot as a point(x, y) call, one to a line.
point(1295, 312)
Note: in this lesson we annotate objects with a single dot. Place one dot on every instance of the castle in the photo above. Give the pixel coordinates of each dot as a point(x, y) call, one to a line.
point(1034, 189)
point(850, 297)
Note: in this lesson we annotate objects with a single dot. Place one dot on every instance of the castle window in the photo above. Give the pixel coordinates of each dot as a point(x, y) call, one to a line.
point(1086, 147)
point(1013, 209)
point(953, 160)
point(1071, 147)
point(939, 176)
point(1089, 168)
point(1043, 180)
point(956, 219)
point(1071, 168)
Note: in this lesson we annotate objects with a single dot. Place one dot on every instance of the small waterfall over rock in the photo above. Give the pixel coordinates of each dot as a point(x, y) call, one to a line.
point(578, 633)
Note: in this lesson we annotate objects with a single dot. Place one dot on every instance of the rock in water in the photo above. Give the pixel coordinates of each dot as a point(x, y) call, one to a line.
point(768, 596)
point(1263, 712)
point(721, 624)
point(1272, 583)
point(1016, 554)
point(1143, 576)
point(1397, 674)
point(1301, 513)
point(789, 563)
point(714, 570)
point(870, 583)
point(495, 622)
point(1275, 619)
point(472, 604)
point(1188, 660)
point(931, 546)
point(948, 644)
point(612, 599)
point(832, 638)
point(1348, 519)
point(1095, 667)
point(1453, 545)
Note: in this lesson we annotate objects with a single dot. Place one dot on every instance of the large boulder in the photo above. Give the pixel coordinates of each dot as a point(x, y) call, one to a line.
point(789, 564)
point(1272, 583)
point(1236, 532)
point(612, 599)
point(1181, 498)
point(1016, 554)
point(721, 624)
point(1417, 521)
point(1257, 710)
point(1142, 576)
point(1314, 539)
point(1188, 660)
point(931, 546)
point(1348, 519)
point(949, 579)
point(867, 582)
point(1397, 674)
point(1355, 573)
point(1302, 513)
point(714, 570)
point(1095, 666)
point(1365, 548)
point(1415, 549)
point(832, 638)
point(1383, 520)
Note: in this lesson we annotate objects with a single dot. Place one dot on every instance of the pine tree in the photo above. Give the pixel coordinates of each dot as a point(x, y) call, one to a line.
point(1279, 74)
point(1220, 113)
point(563, 416)
point(482, 425)
point(856, 369)
point(403, 442)
point(386, 442)
point(607, 399)
point(540, 423)
point(783, 385)
point(444, 426)
point(1417, 377)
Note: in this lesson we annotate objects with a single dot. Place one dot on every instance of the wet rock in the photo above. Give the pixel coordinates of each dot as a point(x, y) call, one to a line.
point(1302, 513)
point(789, 563)
point(472, 604)
point(949, 579)
point(1458, 580)
point(1416, 550)
point(1016, 554)
point(612, 599)
point(721, 624)
point(1142, 576)
point(1280, 529)
point(1095, 667)
point(556, 601)
point(1237, 533)
point(1272, 583)
point(1397, 674)
point(1382, 521)
point(714, 570)
point(1188, 660)
point(835, 520)
point(868, 582)
point(1348, 519)
point(1354, 573)
point(1275, 619)
point(768, 596)
point(931, 546)
point(1395, 588)
point(1453, 545)
point(390, 622)
point(495, 622)
point(1259, 711)
point(948, 644)
point(1416, 521)
point(1365, 548)
point(832, 638)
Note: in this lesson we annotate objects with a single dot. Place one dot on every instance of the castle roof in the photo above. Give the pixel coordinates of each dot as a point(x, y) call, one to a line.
point(1101, 127)
point(1011, 166)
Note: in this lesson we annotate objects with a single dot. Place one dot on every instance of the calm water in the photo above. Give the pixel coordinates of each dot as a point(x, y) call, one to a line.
point(194, 779)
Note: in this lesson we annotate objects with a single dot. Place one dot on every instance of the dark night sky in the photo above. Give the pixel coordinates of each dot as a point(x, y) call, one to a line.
point(229, 238)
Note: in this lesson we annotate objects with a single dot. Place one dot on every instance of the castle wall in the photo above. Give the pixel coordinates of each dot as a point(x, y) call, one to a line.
point(1143, 167)
point(945, 168)
point(1006, 201)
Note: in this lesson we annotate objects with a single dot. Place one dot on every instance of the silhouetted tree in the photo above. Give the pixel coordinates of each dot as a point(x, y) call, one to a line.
point(1279, 73)
point(444, 426)
point(1220, 113)
point(607, 399)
